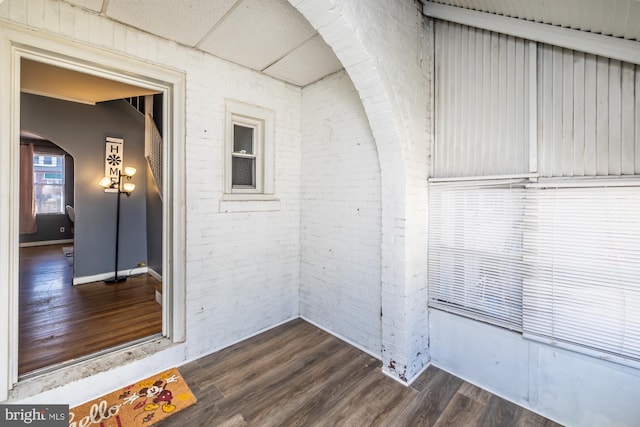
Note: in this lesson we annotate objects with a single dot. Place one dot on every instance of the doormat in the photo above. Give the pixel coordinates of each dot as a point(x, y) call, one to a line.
point(68, 253)
point(141, 404)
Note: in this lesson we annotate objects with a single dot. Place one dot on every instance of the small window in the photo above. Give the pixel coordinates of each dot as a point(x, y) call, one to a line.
point(245, 163)
point(48, 183)
point(249, 150)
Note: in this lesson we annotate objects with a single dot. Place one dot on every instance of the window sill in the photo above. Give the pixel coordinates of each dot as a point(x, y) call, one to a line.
point(249, 203)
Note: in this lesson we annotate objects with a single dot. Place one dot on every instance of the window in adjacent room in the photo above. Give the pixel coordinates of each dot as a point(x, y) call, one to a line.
point(249, 150)
point(48, 183)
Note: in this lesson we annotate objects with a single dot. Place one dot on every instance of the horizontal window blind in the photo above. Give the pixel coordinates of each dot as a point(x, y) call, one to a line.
point(583, 249)
point(475, 256)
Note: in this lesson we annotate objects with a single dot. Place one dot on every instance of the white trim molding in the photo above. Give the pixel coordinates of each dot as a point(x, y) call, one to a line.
point(16, 44)
point(104, 276)
point(597, 44)
point(262, 121)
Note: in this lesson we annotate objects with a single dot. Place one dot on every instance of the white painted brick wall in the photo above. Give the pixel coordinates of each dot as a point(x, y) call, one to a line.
point(229, 298)
point(384, 48)
point(341, 212)
point(242, 269)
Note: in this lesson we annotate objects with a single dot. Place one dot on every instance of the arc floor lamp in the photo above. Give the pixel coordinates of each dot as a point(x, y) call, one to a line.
point(121, 187)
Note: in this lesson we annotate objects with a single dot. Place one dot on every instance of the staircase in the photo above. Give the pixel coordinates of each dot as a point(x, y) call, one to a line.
point(153, 150)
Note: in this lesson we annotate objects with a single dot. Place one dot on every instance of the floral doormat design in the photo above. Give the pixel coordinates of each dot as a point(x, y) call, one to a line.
point(141, 404)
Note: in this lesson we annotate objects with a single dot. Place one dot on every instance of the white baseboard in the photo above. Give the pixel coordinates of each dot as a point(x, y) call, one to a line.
point(347, 340)
point(154, 274)
point(420, 372)
point(46, 243)
point(104, 276)
point(234, 342)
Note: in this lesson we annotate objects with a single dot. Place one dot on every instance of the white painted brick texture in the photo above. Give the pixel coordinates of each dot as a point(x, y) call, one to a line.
point(242, 269)
point(341, 213)
point(383, 46)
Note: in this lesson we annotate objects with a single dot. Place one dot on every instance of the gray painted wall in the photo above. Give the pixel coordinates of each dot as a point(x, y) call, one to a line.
point(81, 130)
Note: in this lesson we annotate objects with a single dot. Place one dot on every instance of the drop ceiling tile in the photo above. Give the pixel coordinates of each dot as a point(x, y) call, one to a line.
point(185, 21)
point(308, 63)
point(258, 33)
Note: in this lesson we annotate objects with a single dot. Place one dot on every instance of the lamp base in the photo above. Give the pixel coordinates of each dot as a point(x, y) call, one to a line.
point(115, 279)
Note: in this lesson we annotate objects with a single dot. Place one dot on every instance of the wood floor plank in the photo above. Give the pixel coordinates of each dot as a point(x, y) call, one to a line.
point(382, 402)
point(340, 409)
point(270, 389)
point(198, 381)
point(326, 382)
point(435, 389)
point(530, 419)
point(59, 322)
point(476, 393)
point(502, 413)
point(461, 411)
point(230, 381)
point(254, 348)
point(335, 390)
point(309, 382)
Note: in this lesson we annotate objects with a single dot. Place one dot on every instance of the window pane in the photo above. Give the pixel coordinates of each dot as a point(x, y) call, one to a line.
point(242, 139)
point(244, 172)
point(475, 251)
point(584, 248)
point(49, 198)
point(48, 183)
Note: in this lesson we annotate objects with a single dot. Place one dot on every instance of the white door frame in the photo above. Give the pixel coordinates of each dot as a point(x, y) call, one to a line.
point(16, 44)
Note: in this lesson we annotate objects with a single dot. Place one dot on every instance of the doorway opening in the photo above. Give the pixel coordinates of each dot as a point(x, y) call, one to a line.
point(67, 310)
point(164, 321)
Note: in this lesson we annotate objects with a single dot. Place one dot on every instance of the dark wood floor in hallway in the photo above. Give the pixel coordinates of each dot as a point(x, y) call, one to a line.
point(299, 375)
point(59, 322)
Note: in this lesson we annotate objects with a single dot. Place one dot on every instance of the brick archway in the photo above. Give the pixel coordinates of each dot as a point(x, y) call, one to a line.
point(343, 24)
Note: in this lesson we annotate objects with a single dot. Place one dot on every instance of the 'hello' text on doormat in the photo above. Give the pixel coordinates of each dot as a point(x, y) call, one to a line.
point(141, 404)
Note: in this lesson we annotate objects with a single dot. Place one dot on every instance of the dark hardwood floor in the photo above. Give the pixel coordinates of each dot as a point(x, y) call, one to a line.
point(299, 375)
point(59, 322)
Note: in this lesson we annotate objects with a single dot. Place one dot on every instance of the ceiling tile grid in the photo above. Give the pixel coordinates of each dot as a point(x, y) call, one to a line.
point(258, 34)
point(186, 22)
point(308, 63)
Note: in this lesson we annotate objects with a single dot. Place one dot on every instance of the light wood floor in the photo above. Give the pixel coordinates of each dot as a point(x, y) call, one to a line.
point(299, 375)
point(59, 322)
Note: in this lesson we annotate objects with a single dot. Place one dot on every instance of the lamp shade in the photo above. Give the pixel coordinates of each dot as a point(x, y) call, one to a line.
point(129, 171)
point(105, 182)
point(128, 187)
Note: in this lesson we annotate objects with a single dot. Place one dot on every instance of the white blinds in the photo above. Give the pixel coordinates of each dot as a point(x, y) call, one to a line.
point(583, 248)
point(475, 257)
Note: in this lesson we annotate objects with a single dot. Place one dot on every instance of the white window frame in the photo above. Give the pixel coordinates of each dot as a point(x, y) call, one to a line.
point(261, 120)
point(63, 185)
